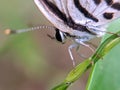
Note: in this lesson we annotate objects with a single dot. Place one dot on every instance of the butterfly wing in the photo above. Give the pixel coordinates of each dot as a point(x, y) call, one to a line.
point(55, 12)
point(96, 12)
point(67, 14)
point(107, 11)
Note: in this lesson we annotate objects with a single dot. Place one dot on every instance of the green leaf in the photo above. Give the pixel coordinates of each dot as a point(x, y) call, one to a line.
point(105, 74)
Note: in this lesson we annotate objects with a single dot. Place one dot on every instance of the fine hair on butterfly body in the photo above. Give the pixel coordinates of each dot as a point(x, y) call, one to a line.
point(80, 20)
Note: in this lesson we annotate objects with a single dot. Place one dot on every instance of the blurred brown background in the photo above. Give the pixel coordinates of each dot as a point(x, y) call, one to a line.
point(32, 61)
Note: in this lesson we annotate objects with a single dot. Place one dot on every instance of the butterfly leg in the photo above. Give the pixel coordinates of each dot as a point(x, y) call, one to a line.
point(81, 55)
point(86, 45)
point(70, 52)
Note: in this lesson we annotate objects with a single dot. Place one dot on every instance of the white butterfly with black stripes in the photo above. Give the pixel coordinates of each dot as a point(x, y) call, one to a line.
point(81, 20)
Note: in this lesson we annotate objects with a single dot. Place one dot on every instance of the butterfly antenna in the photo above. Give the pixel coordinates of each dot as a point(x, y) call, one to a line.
point(10, 31)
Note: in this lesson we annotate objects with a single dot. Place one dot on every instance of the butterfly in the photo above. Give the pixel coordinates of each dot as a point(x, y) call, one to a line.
point(79, 20)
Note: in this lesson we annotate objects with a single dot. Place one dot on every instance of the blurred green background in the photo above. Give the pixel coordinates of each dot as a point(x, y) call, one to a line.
point(32, 61)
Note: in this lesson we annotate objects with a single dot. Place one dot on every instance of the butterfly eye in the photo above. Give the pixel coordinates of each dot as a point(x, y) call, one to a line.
point(60, 36)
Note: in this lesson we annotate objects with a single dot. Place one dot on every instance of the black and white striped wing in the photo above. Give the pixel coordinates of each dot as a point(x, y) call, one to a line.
point(65, 14)
point(97, 12)
point(55, 11)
